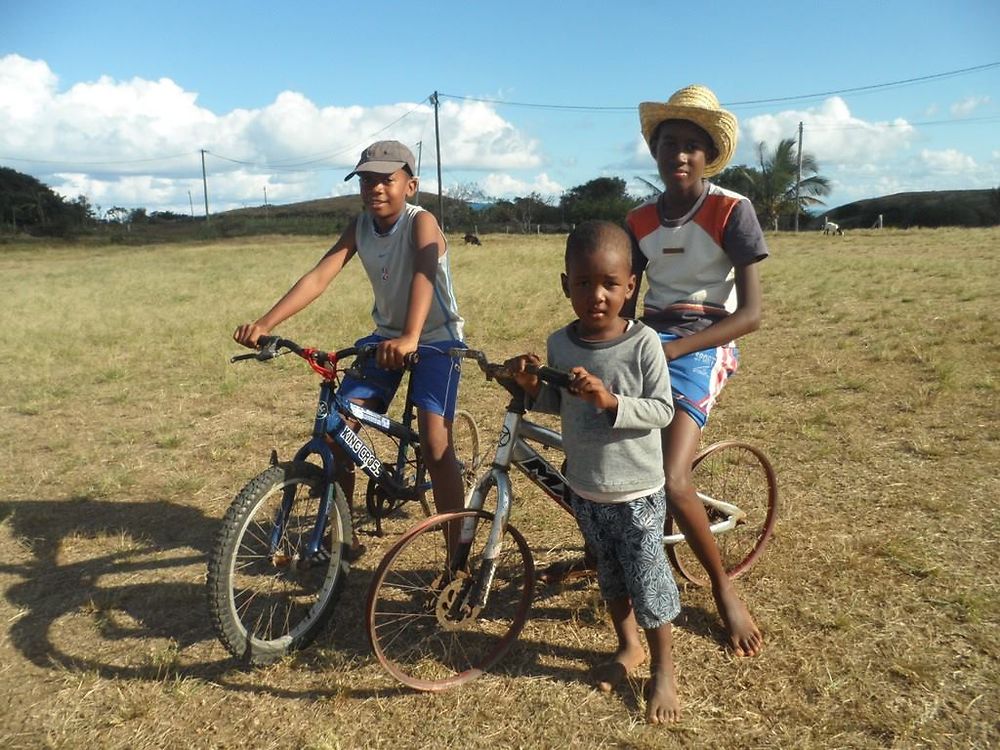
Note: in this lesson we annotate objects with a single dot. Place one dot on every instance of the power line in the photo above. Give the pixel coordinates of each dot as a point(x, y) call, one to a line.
point(907, 124)
point(320, 157)
point(745, 103)
point(872, 87)
point(96, 163)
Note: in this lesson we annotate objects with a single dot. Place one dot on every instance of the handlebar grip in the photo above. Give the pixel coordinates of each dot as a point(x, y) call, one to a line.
point(368, 350)
point(553, 376)
point(263, 342)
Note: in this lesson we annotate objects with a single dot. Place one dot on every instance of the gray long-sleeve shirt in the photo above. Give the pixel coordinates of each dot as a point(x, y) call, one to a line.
point(608, 453)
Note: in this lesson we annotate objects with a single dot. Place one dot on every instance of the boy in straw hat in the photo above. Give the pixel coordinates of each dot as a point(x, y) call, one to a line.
point(405, 257)
point(698, 246)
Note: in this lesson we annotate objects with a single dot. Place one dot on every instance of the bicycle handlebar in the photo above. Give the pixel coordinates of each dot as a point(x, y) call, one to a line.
point(551, 375)
point(268, 348)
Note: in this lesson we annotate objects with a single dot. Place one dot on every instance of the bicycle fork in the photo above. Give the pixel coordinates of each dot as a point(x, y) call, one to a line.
point(499, 477)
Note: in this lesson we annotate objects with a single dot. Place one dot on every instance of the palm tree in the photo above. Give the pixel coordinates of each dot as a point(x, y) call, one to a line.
point(774, 182)
point(771, 186)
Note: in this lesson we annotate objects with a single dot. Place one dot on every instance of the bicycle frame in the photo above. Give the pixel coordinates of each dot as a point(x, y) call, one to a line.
point(330, 425)
point(513, 449)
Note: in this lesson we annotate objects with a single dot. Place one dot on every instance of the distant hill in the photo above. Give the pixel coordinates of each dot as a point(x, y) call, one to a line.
point(940, 208)
point(344, 205)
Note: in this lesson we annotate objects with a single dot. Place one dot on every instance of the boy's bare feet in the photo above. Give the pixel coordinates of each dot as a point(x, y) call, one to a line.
point(744, 636)
point(610, 673)
point(662, 704)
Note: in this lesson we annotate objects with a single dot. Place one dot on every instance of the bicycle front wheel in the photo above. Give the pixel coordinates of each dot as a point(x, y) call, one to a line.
point(268, 592)
point(465, 438)
point(738, 474)
point(423, 620)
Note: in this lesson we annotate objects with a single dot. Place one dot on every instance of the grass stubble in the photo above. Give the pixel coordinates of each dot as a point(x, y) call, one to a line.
point(872, 386)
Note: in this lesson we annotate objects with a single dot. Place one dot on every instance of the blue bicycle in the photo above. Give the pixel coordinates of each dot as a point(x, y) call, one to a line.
point(282, 555)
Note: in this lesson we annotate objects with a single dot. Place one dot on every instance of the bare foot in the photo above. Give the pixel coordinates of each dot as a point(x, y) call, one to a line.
point(610, 673)
point(744, 636)
point(662, 704)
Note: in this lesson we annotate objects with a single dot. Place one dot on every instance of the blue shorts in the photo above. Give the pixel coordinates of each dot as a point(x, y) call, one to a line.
point(696, 379)
point(434, 379)
point(626, 540)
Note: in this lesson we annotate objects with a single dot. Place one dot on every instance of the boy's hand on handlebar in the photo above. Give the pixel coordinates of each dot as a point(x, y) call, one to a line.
point(592, 390)
point(248, 334)
point(391, 354)
point(522, 370)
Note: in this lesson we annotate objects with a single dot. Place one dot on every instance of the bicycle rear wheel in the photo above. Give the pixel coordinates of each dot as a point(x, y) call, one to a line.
point(740, 474)
point(465, 438)
point(417, 615)
point(267, 593)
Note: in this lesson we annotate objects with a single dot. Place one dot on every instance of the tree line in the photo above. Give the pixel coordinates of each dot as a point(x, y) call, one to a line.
point(772, 184)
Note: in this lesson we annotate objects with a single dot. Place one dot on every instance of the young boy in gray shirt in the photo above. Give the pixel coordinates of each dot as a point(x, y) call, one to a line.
point(612, 413)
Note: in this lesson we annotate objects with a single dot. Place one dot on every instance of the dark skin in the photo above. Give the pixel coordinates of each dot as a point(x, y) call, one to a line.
point(682, 150)
point(384, 195)
point(599, 282)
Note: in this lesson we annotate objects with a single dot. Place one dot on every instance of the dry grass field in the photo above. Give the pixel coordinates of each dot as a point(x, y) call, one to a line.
point(125, 434)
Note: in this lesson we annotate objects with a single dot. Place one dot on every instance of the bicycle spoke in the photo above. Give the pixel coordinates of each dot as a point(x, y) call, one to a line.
point(418, 620)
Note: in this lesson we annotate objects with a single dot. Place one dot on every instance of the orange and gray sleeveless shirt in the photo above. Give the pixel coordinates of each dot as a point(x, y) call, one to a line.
point(388, 261)
point(690, 262)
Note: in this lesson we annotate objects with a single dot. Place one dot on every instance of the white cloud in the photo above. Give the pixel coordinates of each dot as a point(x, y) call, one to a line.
point(967, 106)
point(505, 186)
point(948, 161)
point(137, 143)
point(830, 133)
point(25, 86)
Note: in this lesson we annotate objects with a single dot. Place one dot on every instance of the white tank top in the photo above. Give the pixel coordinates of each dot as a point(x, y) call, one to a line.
point(388, 261)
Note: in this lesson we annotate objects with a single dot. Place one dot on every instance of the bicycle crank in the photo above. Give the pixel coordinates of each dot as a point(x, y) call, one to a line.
point(452, 610)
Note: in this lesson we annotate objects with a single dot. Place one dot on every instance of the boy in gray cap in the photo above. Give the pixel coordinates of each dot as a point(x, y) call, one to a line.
point(405, 256)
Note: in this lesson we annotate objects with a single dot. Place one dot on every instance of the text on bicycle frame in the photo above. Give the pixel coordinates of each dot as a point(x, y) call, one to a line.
point(365, 457)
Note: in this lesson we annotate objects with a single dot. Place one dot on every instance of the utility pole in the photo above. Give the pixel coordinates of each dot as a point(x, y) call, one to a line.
point(437, 141)
point(798, 180)
point(204, 182)
point(191, 202)
point(420, 151)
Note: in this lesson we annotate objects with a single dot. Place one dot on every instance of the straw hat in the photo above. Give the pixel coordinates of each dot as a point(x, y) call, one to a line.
point(699, 105)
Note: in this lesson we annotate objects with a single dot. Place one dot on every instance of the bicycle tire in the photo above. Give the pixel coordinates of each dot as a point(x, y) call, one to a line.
point(741, 474)
point(410, 609)
point(465, 438)
point(263, 605)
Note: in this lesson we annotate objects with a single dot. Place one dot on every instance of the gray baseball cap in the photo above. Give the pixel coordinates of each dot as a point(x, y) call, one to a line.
point(385, 157)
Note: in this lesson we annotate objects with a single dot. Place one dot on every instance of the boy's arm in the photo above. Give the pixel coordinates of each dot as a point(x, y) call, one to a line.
point(654, 408)
point(428, 247)
point(304, 291)
point(745, 319)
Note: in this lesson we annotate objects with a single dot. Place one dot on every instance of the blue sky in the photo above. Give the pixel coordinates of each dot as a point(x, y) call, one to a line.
point(116, 100)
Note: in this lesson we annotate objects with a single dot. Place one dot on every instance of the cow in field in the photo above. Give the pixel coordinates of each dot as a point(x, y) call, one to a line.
point(831, 228)
point(471, 239)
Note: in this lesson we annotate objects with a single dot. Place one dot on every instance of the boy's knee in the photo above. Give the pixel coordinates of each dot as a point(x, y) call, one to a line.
point(438, 454)
point(678, 486)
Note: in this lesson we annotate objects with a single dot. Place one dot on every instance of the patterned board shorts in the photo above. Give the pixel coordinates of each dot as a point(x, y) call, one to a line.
point(626, 540)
